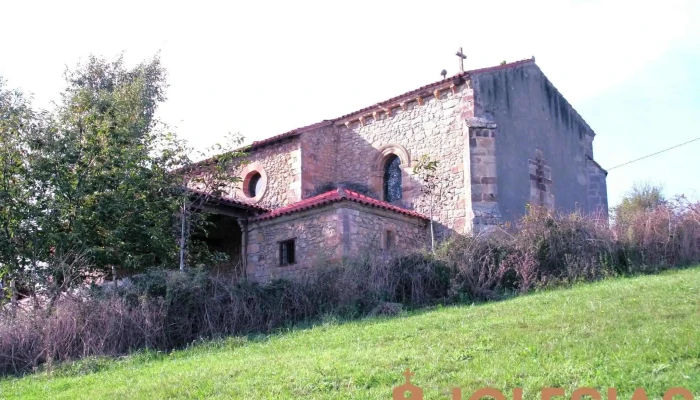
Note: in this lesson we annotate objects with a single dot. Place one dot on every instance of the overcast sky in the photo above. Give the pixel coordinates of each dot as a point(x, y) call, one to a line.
point(630, 68)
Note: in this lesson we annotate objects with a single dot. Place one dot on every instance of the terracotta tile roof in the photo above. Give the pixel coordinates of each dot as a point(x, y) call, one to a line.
point(228, 201)
point(335, 196)
point(266, 142)
point(286, 135)
point(456, 79)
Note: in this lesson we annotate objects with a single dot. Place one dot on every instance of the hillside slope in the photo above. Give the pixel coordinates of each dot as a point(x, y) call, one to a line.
point(622, 333)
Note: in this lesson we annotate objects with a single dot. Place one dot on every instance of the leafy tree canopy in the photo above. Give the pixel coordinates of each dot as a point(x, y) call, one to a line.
point(96, 177)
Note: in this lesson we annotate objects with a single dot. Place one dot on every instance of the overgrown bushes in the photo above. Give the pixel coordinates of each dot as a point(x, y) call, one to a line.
point(164, 310)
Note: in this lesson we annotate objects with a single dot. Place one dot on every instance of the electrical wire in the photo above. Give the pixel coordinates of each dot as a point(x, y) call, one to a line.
point(653, 154)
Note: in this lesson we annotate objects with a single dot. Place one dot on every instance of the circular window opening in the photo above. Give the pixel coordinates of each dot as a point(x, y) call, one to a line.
point(255, 184)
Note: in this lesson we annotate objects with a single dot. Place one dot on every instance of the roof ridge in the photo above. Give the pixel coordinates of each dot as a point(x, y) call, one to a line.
point(214, 198)
point(333, 196)
point(298, 131)
point(457, 76)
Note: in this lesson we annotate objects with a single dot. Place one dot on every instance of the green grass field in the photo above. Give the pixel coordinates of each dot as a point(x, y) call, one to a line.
point(622, 333)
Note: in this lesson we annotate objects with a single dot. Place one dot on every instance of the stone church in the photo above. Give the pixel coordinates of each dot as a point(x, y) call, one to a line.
point(504, 137)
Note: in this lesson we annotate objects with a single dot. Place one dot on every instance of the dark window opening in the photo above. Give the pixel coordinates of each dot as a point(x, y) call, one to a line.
point(392, 179)
point(287, 252)
point(390, 240)
point(255, 185)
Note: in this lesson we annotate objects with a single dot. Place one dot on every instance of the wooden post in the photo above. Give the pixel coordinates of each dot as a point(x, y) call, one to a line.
point(183, 215)
point(243, 224)
point(13, 293)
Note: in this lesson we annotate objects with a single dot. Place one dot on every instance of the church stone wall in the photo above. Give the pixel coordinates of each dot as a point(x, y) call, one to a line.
point(435, 128)
point(533, 118)
point(328, 234)
point(483, 175)
point(317, 234)
point(281, 164)
point(366, 232)
point(597, 190)
point(319, 149)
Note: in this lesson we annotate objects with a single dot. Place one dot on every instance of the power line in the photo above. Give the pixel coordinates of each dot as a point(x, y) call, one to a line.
point(653, 154)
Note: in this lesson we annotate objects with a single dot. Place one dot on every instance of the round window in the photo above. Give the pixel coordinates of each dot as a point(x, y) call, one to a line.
point(255, 185)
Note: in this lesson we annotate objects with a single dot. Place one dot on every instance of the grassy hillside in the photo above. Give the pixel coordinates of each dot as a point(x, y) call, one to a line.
point(623, 333)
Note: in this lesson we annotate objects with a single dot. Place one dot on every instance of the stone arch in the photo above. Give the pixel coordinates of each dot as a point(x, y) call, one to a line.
point(384, 154)
point(253, 171)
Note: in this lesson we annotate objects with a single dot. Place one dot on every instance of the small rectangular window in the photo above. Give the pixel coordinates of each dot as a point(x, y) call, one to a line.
point(390, 240)
point(287, 252)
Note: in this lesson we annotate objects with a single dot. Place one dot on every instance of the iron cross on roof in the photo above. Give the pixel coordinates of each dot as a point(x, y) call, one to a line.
point(462, 57)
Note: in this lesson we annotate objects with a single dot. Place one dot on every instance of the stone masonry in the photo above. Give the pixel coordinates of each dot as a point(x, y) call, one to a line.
point(431, 125)
point(317, 234)
point(280, 164)
point(504, 137)
point(483, 174)
point(328, 234)
point(540, 182)
point(597, 188)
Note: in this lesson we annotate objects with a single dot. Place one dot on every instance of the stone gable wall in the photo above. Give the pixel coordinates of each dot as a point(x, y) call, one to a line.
point(327, 234)
point(282, 166)
point(530, 115)
point(435, 128)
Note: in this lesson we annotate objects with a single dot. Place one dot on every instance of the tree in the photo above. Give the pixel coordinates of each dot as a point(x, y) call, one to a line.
point(426, 170)
point(18, 244)
point(103, 165)
point(97, 183)
point(643, 196)
point(204, 181)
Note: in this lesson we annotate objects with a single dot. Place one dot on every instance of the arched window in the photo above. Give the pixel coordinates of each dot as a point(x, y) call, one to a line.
point(392, 179)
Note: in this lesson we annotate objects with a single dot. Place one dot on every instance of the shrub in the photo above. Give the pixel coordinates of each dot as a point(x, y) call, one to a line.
point(479, 272)
point(667, 235)
point(164, 310)
point(565, 246)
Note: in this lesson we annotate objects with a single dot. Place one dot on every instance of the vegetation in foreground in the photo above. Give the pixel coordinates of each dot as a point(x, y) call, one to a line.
point(165, 310)
point(621, 333)
point(94, 187)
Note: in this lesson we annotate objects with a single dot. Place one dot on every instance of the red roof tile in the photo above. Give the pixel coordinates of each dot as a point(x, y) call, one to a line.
point(228, 201)
point(335, 196)
point(287, 135)
point(457, 79)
